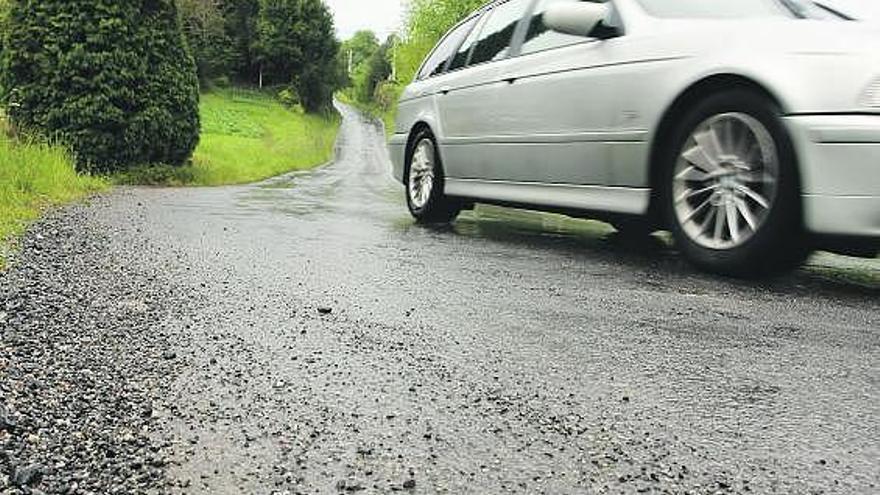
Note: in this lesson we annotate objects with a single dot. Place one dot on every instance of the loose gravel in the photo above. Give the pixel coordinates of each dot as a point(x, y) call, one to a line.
point(84, 359)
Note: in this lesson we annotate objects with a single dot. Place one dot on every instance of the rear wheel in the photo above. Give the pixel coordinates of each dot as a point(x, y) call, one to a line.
point(425, 194)
point(731, 187)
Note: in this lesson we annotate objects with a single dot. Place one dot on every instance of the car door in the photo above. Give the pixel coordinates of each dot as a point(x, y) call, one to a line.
point(466, 98)
point(555, 115)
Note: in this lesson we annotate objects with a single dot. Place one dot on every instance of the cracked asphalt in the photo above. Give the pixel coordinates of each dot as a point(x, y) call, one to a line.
point(303, 336)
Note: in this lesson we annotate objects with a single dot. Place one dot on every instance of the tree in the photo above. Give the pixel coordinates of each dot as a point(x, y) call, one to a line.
point(277, 47)
point(241, 26)
point(372, 70)
point(112, 79)
point(427, 21)
point(379, 66)
point(205, 28)
point(359, 48)
point(4, 18)
point(353, 53)
point(354, 57)
point(296, 43)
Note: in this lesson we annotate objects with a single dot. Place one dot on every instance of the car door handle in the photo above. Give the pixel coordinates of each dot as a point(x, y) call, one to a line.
point(511, 80)
point(445, 90)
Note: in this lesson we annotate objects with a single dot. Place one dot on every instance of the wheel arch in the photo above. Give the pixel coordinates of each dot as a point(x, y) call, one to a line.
point(414, 131)
point(692, 95)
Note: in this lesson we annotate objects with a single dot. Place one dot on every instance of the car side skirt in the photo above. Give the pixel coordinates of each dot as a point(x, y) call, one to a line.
point(555, 197)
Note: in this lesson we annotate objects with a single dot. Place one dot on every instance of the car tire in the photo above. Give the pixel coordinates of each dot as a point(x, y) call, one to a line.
point(425, 182)
point(731, 191)
point(634, 228)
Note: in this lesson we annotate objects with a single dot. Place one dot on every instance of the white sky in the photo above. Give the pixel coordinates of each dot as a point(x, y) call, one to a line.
point(384, 16)
point(380, 16)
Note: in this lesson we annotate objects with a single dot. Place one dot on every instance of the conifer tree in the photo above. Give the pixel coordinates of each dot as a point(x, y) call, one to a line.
point(112, 79)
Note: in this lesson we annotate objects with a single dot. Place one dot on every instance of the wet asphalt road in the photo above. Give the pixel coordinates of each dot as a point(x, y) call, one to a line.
point(327, 344)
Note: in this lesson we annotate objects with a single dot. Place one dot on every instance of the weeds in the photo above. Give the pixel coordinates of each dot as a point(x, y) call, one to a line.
point(35, 175)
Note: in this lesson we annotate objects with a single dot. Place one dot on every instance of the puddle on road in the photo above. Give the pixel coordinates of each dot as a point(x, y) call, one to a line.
point(508, 223)
point(287, 181)
point(297, 194)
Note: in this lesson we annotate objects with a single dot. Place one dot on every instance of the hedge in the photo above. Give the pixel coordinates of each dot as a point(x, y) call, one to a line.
point(113, 79)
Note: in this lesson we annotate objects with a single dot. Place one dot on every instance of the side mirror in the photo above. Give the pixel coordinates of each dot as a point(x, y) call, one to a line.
point(577, 19)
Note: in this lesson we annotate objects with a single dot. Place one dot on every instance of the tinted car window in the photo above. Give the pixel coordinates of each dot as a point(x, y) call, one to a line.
point(497, 32)
point(462, 57)
point(539, 37)
point(436, 62)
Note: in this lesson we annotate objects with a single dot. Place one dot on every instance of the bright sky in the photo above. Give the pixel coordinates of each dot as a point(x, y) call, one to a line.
point(384, 16)
point(380, 16)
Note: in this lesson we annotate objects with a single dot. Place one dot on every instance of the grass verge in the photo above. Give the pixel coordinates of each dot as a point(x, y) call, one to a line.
point(247, 136)
point(35, 175)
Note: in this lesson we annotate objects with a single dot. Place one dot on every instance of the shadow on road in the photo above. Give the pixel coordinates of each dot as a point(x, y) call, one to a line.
point(592, 241)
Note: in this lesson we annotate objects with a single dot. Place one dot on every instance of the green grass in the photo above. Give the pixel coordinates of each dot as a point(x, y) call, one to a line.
point(247, 136)
point(34, 176)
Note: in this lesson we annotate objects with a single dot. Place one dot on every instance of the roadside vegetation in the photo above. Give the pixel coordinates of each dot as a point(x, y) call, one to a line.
point(426, 22)
point(247, 136)
point(378, 73)
point(287, 45)
point(166, 92)
point(236, 91)
point(368, 75)
point(35, 175)
point(113, 107)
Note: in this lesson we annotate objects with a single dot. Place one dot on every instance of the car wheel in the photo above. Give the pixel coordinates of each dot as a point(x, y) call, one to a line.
point(732, 194)
point(633, 228)
point(425, 183)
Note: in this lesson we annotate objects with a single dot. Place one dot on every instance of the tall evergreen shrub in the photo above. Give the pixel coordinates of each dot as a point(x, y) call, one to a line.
point(112, 79)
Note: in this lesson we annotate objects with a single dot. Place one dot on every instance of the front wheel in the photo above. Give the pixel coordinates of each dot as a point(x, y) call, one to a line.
point(425, 194)
point(732, 191)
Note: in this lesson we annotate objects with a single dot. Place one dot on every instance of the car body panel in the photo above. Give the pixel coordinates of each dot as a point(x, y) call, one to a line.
point(840, 172)
point(583, 119)
point(561, 197)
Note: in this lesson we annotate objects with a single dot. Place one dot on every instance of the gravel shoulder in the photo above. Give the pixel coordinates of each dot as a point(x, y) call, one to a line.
point(84, 359)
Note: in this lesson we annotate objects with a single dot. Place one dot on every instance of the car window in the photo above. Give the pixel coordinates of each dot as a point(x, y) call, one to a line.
point(462, 57)
point(497, 33)
point(436, 62)
point(539, 37)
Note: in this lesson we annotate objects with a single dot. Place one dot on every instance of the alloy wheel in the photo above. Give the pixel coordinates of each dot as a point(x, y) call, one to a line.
point(726, 180)
point(421, 174)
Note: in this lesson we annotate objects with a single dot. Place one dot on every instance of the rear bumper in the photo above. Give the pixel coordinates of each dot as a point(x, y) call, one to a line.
point(840, 173)
point(397, 150)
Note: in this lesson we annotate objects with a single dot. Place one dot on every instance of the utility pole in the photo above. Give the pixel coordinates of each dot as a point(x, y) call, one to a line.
point(393, 76)
point(350, 60)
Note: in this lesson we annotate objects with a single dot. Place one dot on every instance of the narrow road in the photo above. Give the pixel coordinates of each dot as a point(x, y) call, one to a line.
point(305, 337)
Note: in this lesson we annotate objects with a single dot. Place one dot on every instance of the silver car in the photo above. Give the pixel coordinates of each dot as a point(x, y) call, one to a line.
point(748, 128)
